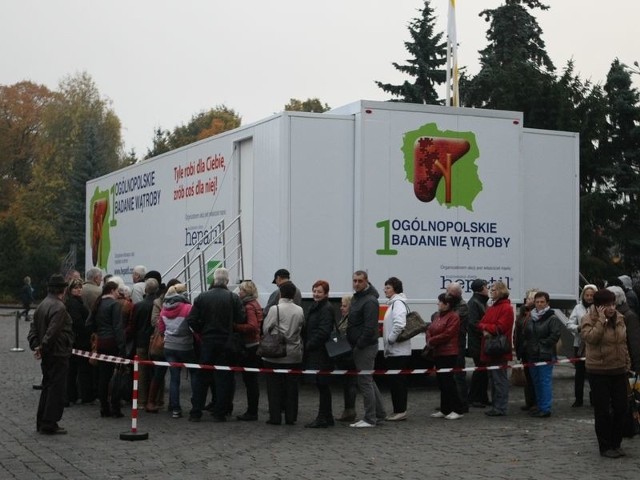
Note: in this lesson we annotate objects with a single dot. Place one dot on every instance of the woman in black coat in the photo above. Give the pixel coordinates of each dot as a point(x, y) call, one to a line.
point(319, 324)
point(80, 375)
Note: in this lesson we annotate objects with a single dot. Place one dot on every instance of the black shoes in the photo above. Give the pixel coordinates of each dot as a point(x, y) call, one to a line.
point(247, 417)
point(320, 423)
point(494, 413)
point(577, 403)
point(53, 431)
point(540, 414)
point(613, 453)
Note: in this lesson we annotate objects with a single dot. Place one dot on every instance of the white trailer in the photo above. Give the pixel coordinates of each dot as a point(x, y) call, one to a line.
point(428, 194)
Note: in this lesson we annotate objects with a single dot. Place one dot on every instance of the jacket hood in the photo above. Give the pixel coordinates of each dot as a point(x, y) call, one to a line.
point(587, 287)
point(173, 301)
point(626, 281)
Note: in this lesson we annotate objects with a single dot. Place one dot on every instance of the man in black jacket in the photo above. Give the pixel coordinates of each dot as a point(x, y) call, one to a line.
point(362, 333)
point(51, 339)
point(212, 316)
point(477, 304)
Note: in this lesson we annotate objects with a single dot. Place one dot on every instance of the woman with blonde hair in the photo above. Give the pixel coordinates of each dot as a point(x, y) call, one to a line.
point(345, 362)
point(498, 319)
point(250, 331)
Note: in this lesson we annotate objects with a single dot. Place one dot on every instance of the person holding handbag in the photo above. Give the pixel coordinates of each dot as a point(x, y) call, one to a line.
point(443, 336)
point(397, 354)
point(106, 321)
point(250, 331)
point(318, 327)
point(345, 362)
point(498, 319)
point(285, 318)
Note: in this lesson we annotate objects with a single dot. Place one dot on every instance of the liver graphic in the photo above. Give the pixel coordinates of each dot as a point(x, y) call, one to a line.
point(433, 158)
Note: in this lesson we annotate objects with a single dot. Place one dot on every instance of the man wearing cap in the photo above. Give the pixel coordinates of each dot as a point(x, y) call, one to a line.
point(281, 276)
point(477, 304)
point(51, 339)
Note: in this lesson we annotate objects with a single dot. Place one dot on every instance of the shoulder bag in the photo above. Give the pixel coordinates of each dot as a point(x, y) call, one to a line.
point(496, 345)
point(415, 325)
point(337, 345)
point(156, 345)
point(273, 345)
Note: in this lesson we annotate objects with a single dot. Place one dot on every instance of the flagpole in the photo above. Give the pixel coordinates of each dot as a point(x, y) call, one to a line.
point(453, 94)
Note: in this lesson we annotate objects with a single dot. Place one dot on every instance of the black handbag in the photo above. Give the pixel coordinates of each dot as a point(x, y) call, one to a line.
point(337, 345)
point(496, 345)
point(273, 345)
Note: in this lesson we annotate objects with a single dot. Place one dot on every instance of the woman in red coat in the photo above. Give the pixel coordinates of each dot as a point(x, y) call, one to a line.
point(442, 335)
point(498, 318)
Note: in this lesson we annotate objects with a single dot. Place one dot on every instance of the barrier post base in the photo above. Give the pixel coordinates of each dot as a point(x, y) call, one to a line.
point(134, 436)
point(17, 349)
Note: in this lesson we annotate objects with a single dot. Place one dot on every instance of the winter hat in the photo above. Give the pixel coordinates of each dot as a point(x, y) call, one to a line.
point(478, 284)
point(604, 297)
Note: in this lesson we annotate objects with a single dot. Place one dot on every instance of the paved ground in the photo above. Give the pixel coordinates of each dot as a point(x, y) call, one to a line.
point(474, 447)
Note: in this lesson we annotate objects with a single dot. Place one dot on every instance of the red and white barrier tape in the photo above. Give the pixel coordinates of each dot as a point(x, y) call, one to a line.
point(416, 371)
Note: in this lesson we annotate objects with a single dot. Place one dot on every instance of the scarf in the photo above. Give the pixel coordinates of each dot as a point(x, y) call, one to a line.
point(536, 315)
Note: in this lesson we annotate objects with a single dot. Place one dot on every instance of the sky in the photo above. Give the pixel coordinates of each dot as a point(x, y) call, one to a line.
point(160, 62)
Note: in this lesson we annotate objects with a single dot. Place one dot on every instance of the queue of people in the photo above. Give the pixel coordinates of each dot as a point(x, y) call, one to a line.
point(100, 314)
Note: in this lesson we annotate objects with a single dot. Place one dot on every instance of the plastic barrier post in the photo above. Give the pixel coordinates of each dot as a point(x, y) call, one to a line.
point(17, 347)
point(134, 434)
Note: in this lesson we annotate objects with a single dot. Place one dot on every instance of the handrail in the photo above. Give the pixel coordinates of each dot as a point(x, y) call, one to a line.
point(192, 265)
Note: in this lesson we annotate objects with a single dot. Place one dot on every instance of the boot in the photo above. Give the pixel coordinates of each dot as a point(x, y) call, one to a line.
point(151, 406)
point(349, 415)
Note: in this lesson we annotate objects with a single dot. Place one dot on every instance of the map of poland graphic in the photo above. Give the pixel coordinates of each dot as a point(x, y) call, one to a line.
point(441, 165)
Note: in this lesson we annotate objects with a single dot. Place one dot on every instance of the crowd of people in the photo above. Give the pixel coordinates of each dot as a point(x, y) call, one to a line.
point(221, 327)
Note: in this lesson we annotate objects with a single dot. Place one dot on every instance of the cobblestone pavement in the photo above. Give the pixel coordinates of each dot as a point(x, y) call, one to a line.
point(474, 447)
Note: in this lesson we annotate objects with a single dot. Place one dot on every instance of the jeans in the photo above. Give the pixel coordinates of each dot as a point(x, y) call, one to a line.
point(609, 396)
point(183, 356)
point(500, 389)
point(542, 384)
point(349, 382)
point(364, 359)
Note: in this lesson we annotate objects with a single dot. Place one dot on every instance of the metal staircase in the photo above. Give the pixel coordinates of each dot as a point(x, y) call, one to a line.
point(222, 248)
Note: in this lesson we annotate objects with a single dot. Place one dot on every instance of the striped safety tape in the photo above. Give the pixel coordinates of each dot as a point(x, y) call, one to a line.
point(416, 371)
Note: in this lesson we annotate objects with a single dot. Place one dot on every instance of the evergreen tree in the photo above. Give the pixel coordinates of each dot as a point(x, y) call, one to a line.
point(621, 151)
point(427, 64)
point(516, 72)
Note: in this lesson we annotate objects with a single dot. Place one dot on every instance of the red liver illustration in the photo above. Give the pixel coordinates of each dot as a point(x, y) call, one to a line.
point(433, 158)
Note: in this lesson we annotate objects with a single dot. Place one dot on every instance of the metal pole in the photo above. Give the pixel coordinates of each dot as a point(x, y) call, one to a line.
point(17, 347)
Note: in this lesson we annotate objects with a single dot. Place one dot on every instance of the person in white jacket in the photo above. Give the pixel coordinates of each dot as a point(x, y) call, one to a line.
point(397, 354)
point(573, 325)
